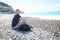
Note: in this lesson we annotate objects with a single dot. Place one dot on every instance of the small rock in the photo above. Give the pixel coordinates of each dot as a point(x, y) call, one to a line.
point(0, 35)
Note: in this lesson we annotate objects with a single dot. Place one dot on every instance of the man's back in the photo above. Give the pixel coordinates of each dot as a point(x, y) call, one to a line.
point(15, 20)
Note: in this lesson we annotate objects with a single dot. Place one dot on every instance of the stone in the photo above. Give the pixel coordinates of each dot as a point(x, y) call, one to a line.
point(0, 35)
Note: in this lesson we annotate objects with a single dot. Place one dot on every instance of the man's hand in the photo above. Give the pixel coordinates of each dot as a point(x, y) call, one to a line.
point(22, 19)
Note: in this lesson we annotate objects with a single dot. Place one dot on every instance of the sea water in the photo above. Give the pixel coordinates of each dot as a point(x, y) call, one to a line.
point(44, 15)
point(41, 15)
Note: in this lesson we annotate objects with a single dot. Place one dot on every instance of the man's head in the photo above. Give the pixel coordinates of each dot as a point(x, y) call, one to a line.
point(17, 11)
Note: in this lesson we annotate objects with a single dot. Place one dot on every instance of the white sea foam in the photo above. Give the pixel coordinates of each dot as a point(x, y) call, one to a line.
point(48, 17)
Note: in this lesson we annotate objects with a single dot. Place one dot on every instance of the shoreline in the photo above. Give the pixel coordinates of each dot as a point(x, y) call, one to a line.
point(43, 17)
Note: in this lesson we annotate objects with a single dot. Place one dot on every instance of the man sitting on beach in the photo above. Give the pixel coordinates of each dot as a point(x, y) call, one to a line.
point(18, 20)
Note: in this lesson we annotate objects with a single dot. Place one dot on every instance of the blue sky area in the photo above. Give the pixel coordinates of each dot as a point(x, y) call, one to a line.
point(30, 6)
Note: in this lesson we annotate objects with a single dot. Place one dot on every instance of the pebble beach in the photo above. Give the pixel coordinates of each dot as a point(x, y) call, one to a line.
point(42, 29)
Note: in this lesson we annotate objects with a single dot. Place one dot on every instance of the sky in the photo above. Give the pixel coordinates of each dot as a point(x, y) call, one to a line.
point(29, 6)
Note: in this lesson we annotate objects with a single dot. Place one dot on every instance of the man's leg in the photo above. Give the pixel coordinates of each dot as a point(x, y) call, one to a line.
point(18, 25)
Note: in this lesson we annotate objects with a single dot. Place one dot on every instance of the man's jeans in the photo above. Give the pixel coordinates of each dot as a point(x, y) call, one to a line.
point(18, 25)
